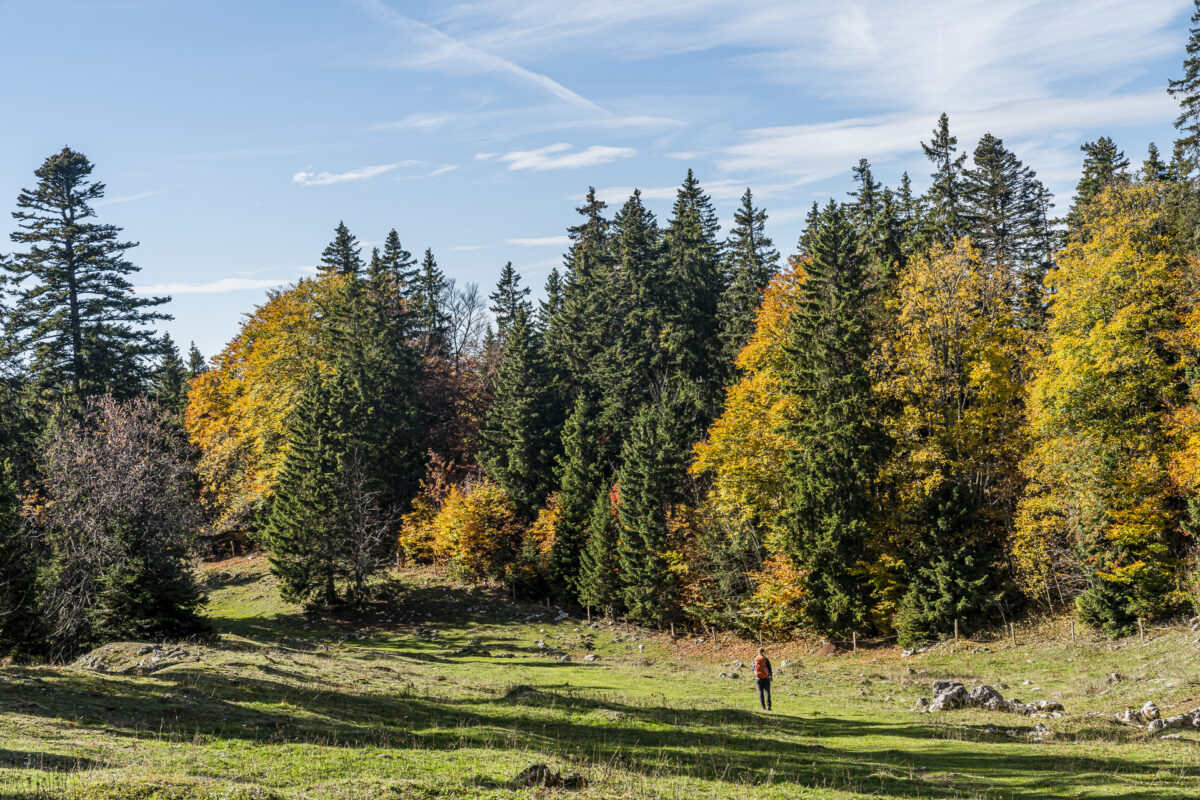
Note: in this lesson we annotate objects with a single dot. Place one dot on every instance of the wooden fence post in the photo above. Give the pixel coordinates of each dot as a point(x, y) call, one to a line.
point(1141, 631)
point(1012, 631)
point(956, 629)
point(854, 640)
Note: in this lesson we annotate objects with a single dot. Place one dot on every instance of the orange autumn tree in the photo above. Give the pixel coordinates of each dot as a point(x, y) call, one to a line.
point(236, 413)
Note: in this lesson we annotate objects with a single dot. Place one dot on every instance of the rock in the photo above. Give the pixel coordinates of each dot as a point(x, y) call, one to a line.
point(1149, 711)
point(1040, 731)
point(785, 664)
point(1156, 725)
point(734, 675)
point(1043, 707)
point(564, 659)
point(907, 653)
point(1128, 716)
point(536, 775)
point(573, 780)
point(922, 704)
point(827, 649)
point(948, 695)
point(591, 657)
point(1115, 677)
point(987, 698)
point(145, 650)
point(739, 664)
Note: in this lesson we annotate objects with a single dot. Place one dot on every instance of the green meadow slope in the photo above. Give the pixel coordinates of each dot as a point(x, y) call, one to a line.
point(445, 692)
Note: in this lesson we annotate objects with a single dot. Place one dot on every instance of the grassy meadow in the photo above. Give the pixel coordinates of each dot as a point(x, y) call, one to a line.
point(444, 692)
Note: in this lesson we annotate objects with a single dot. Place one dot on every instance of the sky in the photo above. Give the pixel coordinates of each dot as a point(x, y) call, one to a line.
point(233, 135)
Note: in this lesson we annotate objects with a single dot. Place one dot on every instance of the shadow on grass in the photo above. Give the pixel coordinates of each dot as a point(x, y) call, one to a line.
point(723, 745)
point(46, 762)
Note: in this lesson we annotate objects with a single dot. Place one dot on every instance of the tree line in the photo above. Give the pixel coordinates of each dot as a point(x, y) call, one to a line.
point(942, 408)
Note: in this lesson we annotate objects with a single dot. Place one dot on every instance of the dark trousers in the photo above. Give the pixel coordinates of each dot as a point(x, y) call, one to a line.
point(764, 693)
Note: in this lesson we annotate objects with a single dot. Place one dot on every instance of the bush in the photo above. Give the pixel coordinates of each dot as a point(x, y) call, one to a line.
point(477, 532)
point(1103, 607)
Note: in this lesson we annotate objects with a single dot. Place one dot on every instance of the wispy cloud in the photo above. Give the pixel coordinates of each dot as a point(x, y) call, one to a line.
point(437, 49)
point(305, 178)
point(558, 156)
point(129, 198)
point(213, 287)
point(541, 241)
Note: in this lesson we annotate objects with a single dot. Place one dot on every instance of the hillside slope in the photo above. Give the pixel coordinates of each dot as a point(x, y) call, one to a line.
point(448, 693)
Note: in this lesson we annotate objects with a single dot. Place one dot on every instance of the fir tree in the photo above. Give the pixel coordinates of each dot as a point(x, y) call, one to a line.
point(551, 305)
point(20, 626)
point(867, 200)
point(508, 300)
point(750, 261)
point(342, 255)
point(196, 363)
point(944, 221)
point(1154, 168)
point(581, 480)
point(74, 313)
point(515, 447)
point(579, 331)
point(831, 475)
point(399, 264)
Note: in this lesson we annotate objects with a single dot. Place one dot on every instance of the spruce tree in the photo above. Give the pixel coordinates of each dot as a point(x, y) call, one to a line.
point(399, 263)
point(750, 261)
point(1187, 91)
point(171, 381)
point(516, 441)
point(342, 255)
point(301, 538)
point(1103, 165)
point(944, 221)
point(831, 475)
point(652, 464)
point(867, 200)
point(431, 322)
point(21, 630)
point(1154, 168)
point(508, 300)
point(74, 314)
point(196, 363)
point(598, 584)
point(580, 330)
point(580, 480)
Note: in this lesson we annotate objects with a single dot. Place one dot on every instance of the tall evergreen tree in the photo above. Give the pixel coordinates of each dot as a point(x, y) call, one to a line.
point(1187, 91)
point(831, 475)
point(579, 331)
point(1154, 168)
point(171, 381)
point(944, 221)
point(399, 263)
point(431, 322)
point(196, 363)
point(581, 480)
point(516, 442)
point(866, 194)
point(508, 300)
point(750, 261)
point(74, 314)
point(1103, 165)
point(20, 626)
point(598, 584)
point(342, 256)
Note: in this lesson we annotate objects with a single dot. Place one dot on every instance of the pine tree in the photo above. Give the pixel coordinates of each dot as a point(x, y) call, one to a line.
point(74, 313)
point(551, 305)
point(1103, 165)
point(833, 471)
point(867, 201)
point(399, 263)
point(1154, 168)
point(750, 261)
point(342, 255)
point(431, 322)
point(196, 363)
point(581, 480)
point(508, 300)
point(516, 441)
point(944, 221)
point(1187, 91)
point(598, 584)
point(579, 330)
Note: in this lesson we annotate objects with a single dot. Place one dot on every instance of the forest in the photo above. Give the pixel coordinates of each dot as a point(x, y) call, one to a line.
point(938, 410)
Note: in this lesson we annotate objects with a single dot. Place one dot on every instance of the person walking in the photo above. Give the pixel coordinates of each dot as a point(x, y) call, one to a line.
point(762, 674)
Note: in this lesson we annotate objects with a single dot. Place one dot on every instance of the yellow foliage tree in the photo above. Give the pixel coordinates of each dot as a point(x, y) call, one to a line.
point(236, 413)
point(1101, 516)
point(477, 532)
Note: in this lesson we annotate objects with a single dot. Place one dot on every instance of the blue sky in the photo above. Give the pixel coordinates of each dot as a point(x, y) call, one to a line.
point(233, 135)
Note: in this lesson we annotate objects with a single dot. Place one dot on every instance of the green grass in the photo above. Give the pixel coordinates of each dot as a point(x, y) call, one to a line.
point(279, 706)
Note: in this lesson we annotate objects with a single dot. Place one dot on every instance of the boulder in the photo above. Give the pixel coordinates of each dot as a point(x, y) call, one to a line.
point(948, 697)
point(1149, 711)
point(564, 659)
point(987, 698)
point(591, 657)
point(573, 780)
point(536, 775)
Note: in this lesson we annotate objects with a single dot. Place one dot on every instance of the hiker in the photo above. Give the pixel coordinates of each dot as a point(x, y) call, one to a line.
point(762, 674)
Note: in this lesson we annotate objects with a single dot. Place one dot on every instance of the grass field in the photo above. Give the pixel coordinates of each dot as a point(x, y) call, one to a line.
point(392, 706)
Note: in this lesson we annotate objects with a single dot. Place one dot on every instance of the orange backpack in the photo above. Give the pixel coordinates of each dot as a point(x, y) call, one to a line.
point(760, 667)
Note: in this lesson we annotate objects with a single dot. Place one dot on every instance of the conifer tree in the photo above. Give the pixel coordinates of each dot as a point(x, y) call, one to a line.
point(581, 480)
point(516, 442)
point(944, 221)
point(1154, 168)
point(342, 256)
point(74, 314)
point(508, 300)
point(652, 463)
point(750, 261)
point(598, 584)
point(171, 380)
point(21, 630)
point(866, 194)
point(1103, 165)
point(399, 263)
point(578, 332)
point(833, 470)
point(1187, 91)
point(196, 364)
point(431, 322)
point(550, 306)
